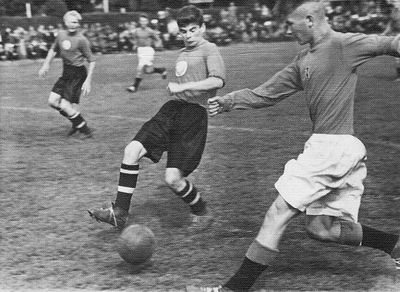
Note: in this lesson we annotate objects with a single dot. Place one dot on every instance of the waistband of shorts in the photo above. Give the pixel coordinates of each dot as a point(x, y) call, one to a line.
point(332, 137)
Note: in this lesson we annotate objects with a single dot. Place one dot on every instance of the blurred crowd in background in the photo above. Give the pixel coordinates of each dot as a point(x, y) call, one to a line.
point(228, 26)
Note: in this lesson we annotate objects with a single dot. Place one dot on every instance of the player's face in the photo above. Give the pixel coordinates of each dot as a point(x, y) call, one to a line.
point(192, 34)
point(143, 22)
point(72, 23)
point(297, 26)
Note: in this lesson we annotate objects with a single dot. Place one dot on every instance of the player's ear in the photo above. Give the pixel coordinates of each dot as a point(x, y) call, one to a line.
point(310, 21)
point(203, 28)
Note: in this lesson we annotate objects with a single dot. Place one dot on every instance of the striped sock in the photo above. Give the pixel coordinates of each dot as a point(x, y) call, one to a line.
point(127, 183)
point(191, 197)
point(63, 113)
point(77, 120)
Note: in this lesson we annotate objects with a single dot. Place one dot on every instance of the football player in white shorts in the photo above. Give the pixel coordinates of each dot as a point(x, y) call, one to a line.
point(144, 38)
point(325, 181)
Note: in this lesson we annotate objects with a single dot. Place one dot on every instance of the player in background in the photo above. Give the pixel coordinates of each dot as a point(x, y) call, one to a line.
point(179, 128)
point(74, 50)
point(144, 37)
point(326, 181)
point(393, 28)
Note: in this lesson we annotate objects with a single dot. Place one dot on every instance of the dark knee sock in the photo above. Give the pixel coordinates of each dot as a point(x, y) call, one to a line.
point(246, 276)
point(77, 121)
point(378, 239)
point(137, 82)
point(127, 183)
point(192, 197)
point(159, 70)
point(257, 259)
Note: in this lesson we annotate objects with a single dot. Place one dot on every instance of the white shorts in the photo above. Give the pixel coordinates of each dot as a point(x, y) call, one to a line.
point(145, 56)
point(327, 178)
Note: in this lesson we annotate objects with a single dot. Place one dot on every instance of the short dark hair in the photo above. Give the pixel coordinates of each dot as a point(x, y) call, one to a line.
point(143, 15)
point(189, 15)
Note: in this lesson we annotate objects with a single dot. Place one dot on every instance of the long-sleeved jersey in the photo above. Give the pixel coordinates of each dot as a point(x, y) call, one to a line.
point(327, 73)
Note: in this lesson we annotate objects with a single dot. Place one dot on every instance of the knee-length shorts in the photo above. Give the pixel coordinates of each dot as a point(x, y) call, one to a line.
point(180, 128)
point(69, 85)
point(145, 56)
point(327, 178)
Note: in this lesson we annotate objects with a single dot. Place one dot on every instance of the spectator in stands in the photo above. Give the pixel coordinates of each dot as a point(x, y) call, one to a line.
point(233, 13)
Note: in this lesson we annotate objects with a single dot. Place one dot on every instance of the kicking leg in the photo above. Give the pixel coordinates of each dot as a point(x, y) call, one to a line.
point(117, 214)
point(262, 251)
point(333, 229)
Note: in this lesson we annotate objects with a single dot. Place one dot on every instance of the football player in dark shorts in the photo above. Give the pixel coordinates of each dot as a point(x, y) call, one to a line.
point(179, 128)
point(74, 49)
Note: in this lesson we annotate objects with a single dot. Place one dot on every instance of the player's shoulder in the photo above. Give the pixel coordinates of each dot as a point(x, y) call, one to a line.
point(62, 33)
point(208, 47)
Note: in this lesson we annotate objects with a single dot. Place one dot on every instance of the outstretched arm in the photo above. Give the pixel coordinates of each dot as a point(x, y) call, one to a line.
point(282, 85)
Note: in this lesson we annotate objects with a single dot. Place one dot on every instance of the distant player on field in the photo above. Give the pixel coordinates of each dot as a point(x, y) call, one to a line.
point(326, 181)
point(179, 128)
point(393, 28)
point(74, 50)
point(144, 37)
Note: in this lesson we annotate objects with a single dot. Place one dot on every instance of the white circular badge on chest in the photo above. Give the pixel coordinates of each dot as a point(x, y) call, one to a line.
point(66, 44)
point(181, 68)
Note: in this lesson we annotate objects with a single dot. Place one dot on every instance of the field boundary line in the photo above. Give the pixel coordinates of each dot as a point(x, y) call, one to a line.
point(42, 110)
point(301, 133)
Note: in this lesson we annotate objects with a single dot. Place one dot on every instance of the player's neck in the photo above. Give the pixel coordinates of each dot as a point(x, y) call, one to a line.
point(320, 35)
point(199, 43)
point(74, 32)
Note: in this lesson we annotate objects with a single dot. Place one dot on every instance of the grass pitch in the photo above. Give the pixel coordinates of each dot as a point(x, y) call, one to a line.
point(47, 181)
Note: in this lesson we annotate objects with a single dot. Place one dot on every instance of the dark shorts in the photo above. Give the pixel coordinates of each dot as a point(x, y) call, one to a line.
point(180, 128)
point(69, 85)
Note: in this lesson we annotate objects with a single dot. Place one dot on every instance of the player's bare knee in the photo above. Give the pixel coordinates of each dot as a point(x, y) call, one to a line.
point(133, 152)
point(54, 101)
point(174, 179)
point(317, 233)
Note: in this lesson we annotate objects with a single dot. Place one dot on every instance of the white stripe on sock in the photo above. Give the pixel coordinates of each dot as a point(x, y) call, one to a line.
point(195, 200)
point(74, 116)
point(81, 125)
point(127, 171)
point(125, 190)
point(190, 189)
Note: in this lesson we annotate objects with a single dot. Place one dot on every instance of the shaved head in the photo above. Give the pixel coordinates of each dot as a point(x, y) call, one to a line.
point(313, 8)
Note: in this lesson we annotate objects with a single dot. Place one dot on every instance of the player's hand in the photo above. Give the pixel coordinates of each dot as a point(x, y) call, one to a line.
point(216, 105)
point(174, 87)
point(86, 88)
point(43, 71)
